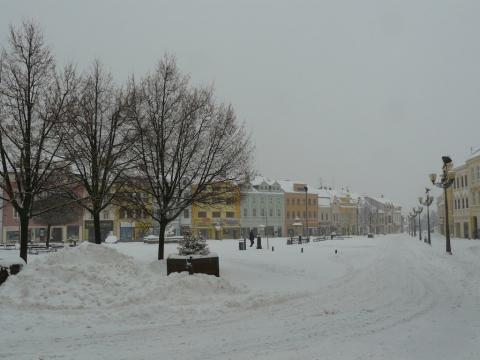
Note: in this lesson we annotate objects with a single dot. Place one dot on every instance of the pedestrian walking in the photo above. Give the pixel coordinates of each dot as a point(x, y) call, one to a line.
point(252, 238)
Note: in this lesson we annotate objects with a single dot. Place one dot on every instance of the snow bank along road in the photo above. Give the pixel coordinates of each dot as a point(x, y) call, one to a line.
point(391, 297)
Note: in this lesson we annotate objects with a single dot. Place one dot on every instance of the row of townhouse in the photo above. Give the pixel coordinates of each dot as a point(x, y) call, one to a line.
point(463, 200)
point(286, 208)
point(264, 206)
point(125, 221)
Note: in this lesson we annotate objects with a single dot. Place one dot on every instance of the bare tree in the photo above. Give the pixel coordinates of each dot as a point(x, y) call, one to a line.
point(96, 141)
point(33, 101)
point(54, 209)
point(187, 143)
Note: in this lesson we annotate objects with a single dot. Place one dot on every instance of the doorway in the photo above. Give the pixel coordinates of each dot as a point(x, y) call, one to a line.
point(475, 227)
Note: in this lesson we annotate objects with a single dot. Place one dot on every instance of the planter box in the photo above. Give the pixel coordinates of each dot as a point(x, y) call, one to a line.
point(194, 264)
point(6, 270)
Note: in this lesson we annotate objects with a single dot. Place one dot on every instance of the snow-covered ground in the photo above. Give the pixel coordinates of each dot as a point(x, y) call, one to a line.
point(391, 297)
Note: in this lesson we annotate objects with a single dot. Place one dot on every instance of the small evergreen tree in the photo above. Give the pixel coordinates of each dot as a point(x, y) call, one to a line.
point(193, 245)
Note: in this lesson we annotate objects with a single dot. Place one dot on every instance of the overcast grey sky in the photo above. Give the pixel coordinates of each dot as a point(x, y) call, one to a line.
point(367, 94)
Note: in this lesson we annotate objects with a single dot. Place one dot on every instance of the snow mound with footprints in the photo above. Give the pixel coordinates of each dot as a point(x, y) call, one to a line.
point(92, 276)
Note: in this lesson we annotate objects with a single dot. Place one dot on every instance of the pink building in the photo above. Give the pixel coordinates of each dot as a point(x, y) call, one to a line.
point(37, 229)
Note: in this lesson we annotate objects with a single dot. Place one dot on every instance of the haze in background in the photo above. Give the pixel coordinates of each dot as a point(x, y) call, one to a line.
point(365, 94)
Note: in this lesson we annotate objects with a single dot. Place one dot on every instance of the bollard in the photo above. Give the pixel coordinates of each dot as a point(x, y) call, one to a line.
point(259, 242)
point(300, 239)
point(273, 248)
point(335, 251)
point(190, 265)
point(302, 251)
point(242, 245)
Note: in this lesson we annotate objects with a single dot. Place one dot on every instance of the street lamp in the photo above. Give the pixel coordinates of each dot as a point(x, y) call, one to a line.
point(306, 213)
point(427, 202)
point(413, 215)
point(445, 182)
point(418, 211)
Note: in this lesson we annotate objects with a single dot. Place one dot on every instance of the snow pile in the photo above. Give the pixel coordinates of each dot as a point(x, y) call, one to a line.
point(92, 276)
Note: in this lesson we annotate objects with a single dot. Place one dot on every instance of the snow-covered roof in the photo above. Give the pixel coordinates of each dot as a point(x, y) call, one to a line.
point(289, 186)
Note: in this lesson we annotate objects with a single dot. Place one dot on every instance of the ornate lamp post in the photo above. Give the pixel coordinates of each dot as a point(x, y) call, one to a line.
point(410, 227)
point(419, 212)
point(427, 202)
point(413, 215)
point(306, 213)
point(445, 182)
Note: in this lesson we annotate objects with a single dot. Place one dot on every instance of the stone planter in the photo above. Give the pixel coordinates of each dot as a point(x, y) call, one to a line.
point(194, 264)
point(9, 269)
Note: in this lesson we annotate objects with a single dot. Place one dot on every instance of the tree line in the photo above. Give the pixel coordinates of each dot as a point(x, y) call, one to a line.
point(62, 130)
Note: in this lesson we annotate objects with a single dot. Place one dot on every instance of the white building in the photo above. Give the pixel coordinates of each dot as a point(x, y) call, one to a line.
point(262, 207)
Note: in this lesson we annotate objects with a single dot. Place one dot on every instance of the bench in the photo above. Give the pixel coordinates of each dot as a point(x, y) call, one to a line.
point(298, 240)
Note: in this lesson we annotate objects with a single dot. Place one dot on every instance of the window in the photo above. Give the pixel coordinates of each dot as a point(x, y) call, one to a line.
point(278, 212)
point(463, 203)
point(262, 212)
point(186, 213)
point(254, 212)
point(216, 214)
point(288, 201)
point(298, 201)
point(309, 201)
point(230, 201)
point(140, 214)
point(462, 181)
point(466, 203)
point(304, 215)
point(322, 216)
point(230, 214)
point(309, 214)
point(245, 212)
point(271, 212)
point(202, 214)
point(288, 214)
point(298, 214)
point(105, 215)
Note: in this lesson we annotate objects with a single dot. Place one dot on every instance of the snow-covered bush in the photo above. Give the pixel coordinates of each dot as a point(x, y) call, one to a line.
point(193, 245)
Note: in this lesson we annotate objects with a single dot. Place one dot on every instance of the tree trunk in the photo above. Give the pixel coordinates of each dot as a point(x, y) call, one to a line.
point(24, 221)
point(47, 242)
point(96, 228)
point(161, 240)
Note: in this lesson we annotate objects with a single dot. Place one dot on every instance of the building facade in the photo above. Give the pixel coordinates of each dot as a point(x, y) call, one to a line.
point(218, 217)
point(262, 207)
point(301, 208)
point(461, 216)
point(473, 171)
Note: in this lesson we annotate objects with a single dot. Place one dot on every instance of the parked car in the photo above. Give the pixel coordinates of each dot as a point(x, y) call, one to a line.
point(370, 235)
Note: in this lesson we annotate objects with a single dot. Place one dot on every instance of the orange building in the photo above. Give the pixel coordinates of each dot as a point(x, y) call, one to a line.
point(301, 208)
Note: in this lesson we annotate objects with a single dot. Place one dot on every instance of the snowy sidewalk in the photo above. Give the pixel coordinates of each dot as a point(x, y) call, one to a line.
point(390, 297)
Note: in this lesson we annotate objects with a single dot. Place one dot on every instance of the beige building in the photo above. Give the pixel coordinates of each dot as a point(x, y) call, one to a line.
point(461, 203)
point(301, 208)
point(464, 200)
point(473, 171)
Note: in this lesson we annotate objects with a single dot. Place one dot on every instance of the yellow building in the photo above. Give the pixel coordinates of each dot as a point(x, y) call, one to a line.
point(441, 211)
point(131, 216)
point(348, 213)
point(218, 217)
point(473, 171)
point(301, 208)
